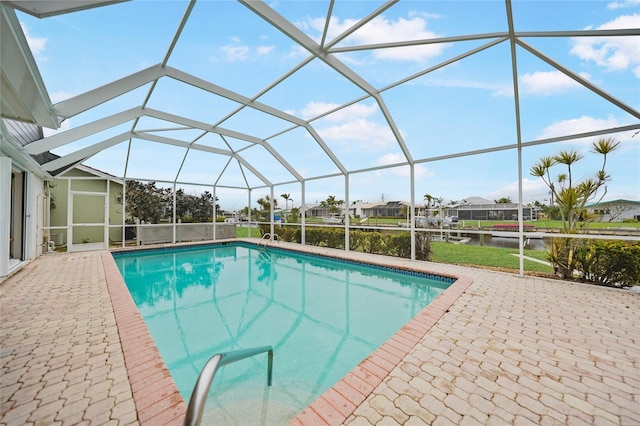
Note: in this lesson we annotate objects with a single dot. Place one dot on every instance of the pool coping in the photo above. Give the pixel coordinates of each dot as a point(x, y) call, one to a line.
point(156, 395)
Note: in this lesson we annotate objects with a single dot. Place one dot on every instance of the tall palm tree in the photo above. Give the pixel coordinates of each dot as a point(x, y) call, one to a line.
point(286, 200)
point(568, 158)
point(572, 199)
point(265, 205)
point(604, 147)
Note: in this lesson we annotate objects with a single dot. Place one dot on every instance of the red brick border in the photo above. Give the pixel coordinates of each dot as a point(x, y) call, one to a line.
point(155, 394)
point(338, 403)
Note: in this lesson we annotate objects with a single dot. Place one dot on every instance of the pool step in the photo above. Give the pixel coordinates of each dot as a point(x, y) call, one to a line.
point(256, 406)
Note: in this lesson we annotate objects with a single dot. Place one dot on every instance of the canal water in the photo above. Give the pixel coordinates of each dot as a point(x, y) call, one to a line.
point(489, 241)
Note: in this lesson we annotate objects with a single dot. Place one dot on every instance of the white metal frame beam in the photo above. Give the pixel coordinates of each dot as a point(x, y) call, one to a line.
point(85, 153)
point(73, 106)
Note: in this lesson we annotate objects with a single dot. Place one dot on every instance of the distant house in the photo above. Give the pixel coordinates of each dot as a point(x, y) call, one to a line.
point(315, 210)
point(614, 211)
point(359, 209)
point(385, 209)
point(478, 208)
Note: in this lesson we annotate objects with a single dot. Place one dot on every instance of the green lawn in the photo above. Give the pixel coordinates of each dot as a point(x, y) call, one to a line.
point(542, 223)
point(242, 232)
point(496, 257)
point(550, 224)
point(462, 254)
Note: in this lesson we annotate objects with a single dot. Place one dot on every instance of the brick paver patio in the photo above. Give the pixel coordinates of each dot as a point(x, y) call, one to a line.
point(497, 349)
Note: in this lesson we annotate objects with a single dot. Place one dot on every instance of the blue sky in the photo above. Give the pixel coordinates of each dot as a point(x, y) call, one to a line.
point(465, 106)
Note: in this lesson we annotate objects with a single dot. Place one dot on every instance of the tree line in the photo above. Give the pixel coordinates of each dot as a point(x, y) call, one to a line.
point(146, 202)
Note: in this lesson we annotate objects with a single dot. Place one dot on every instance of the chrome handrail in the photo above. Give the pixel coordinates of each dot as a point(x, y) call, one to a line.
point(267, 238)
point(203, 384)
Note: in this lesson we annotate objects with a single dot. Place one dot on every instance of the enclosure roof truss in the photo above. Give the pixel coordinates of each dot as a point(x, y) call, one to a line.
point(325, 51)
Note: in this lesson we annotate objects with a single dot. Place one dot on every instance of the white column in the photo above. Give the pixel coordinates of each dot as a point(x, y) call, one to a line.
point(215, 213)
point(412, 214)
point(5, 213)
point(124, 212)
point(272, 230)
point(303, 239)
point(249, 213)
point(173, 216)
point(346, 216)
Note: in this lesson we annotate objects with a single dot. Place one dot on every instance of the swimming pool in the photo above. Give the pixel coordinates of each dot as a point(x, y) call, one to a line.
point(321, 315)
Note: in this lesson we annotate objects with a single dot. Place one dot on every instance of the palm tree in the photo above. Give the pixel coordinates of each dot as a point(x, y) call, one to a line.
point(604, 147)
point(286, 200)
point(265, 205)
point(542, 170)
point(571, 199)
point(332, 204)
point(568, 158)
point(503, 200)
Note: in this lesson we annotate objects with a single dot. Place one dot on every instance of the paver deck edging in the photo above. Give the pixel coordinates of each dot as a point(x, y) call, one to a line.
point(338, 403)
point(155, 394)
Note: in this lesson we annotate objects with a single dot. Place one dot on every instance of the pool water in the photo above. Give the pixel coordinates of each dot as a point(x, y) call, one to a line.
point(322, 317)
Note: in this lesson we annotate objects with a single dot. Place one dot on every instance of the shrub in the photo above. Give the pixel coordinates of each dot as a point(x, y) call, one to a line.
point(398, 245)
point(356, 240)
point(374, 242)
point(611, 263)
point(562, 256)
point(423, 246)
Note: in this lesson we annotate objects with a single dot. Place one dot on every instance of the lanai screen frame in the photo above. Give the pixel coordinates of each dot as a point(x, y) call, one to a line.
point(324, 51)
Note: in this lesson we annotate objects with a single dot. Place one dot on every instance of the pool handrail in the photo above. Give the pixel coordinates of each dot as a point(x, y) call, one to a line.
point(198, 399)
point(267, 238)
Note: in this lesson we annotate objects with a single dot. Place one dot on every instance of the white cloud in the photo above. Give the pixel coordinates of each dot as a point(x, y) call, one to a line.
point(367, 135)
point(547, 83)
point(422, 172)
point(390, 158)
point(395, 158)
point(497, 89)
point(264, 50)
point(623, 4)
point(383, 30)
point(612, 53)
point(298, 51)
point(36, 44)
point(532, 190)
point(350, 127)
point(235, 53)
point(313, 109)
point(578, 125)
point(425, 15)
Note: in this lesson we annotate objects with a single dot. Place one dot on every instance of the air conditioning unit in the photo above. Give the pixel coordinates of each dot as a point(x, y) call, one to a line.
point(57, 238)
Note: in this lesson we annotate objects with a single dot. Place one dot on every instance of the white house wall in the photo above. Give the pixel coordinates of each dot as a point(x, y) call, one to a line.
point(31, 233)
point(5, 213)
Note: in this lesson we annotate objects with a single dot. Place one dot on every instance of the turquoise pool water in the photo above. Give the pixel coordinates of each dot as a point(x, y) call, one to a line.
point(322, 317)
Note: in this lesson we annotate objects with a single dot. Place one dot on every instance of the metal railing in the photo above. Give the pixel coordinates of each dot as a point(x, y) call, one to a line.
point(203, 384)
point(267, 238)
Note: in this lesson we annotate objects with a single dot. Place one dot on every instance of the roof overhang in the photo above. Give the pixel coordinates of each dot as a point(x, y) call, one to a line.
point(24, 97)
point(45, 8)
point(13, 150)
